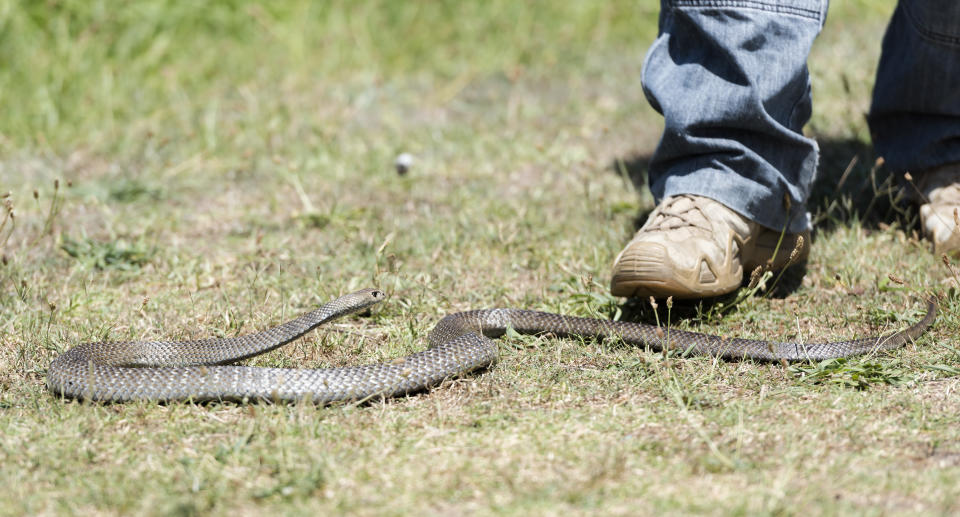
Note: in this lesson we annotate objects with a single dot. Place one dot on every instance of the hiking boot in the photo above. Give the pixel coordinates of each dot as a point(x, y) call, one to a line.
point(695, 247)
point(939, 190)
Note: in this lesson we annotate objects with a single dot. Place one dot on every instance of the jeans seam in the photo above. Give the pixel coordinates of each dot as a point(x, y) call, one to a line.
point(928, 34)
point(646, 60)
point(814, 14)
point(796, 105)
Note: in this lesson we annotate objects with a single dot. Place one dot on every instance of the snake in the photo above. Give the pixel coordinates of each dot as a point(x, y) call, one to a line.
point(461, 343)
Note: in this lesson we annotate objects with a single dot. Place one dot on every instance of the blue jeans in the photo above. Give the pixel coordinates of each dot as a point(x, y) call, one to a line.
point(730, 78)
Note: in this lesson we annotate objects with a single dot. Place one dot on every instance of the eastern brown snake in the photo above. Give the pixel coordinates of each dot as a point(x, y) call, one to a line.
point(460, 343)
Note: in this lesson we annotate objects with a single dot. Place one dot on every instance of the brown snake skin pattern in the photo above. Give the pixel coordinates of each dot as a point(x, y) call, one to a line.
point(461, 343)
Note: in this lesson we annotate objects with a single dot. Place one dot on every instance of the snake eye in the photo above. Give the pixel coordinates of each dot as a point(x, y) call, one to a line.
point(377, 294)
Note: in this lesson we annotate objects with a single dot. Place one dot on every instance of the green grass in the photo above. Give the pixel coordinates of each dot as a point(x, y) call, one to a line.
point(231, 165)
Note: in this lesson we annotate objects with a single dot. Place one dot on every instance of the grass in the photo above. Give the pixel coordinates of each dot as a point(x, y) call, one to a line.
point(231, 165)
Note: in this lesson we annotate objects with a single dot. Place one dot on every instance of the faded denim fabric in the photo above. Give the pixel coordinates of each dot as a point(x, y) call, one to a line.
point(915, 115)
point(730, 78)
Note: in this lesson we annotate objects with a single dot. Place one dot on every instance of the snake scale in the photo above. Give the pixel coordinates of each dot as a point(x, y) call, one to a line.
point(460, 343)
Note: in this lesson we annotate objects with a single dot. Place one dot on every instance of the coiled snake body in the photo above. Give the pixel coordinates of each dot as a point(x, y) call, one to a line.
point(461, 343)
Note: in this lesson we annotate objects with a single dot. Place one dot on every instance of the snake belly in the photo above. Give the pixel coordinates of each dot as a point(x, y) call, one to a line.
point(460, 343)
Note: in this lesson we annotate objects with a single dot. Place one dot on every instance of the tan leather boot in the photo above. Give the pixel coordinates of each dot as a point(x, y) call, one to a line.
point(695, 247)
point(940, 207)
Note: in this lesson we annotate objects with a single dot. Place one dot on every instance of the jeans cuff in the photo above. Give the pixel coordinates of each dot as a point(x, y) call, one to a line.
point(813, 9)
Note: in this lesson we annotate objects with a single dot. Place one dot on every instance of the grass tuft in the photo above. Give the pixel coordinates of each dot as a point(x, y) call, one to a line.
point(859, 374)
point(114, 254)
point(131, 191)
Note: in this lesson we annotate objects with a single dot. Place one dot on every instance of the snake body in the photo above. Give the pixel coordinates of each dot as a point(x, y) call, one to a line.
point(460, 343)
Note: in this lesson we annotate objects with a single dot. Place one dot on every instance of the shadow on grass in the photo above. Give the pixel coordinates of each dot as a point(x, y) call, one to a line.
point(852, 187)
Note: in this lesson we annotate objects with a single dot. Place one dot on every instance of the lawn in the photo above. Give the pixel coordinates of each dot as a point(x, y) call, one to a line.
point(180, 170)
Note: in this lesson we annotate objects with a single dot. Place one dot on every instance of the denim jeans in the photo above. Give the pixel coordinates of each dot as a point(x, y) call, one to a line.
point(730, 78)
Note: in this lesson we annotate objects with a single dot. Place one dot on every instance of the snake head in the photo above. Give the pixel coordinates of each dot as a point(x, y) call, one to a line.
point(362, 299)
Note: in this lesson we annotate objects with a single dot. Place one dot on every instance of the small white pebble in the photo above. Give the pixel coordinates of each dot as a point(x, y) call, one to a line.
point(403, 163)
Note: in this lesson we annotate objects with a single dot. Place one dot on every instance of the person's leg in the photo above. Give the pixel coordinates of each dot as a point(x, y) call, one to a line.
point(730, 78)
point(915, 114)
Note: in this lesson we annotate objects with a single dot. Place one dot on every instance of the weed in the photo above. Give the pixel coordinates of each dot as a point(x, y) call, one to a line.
point(852, 373)
point(9, 219)
point(53, 211)
point(313, 220)
point(955, 276)
point(129, 191)
point(114, 254)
